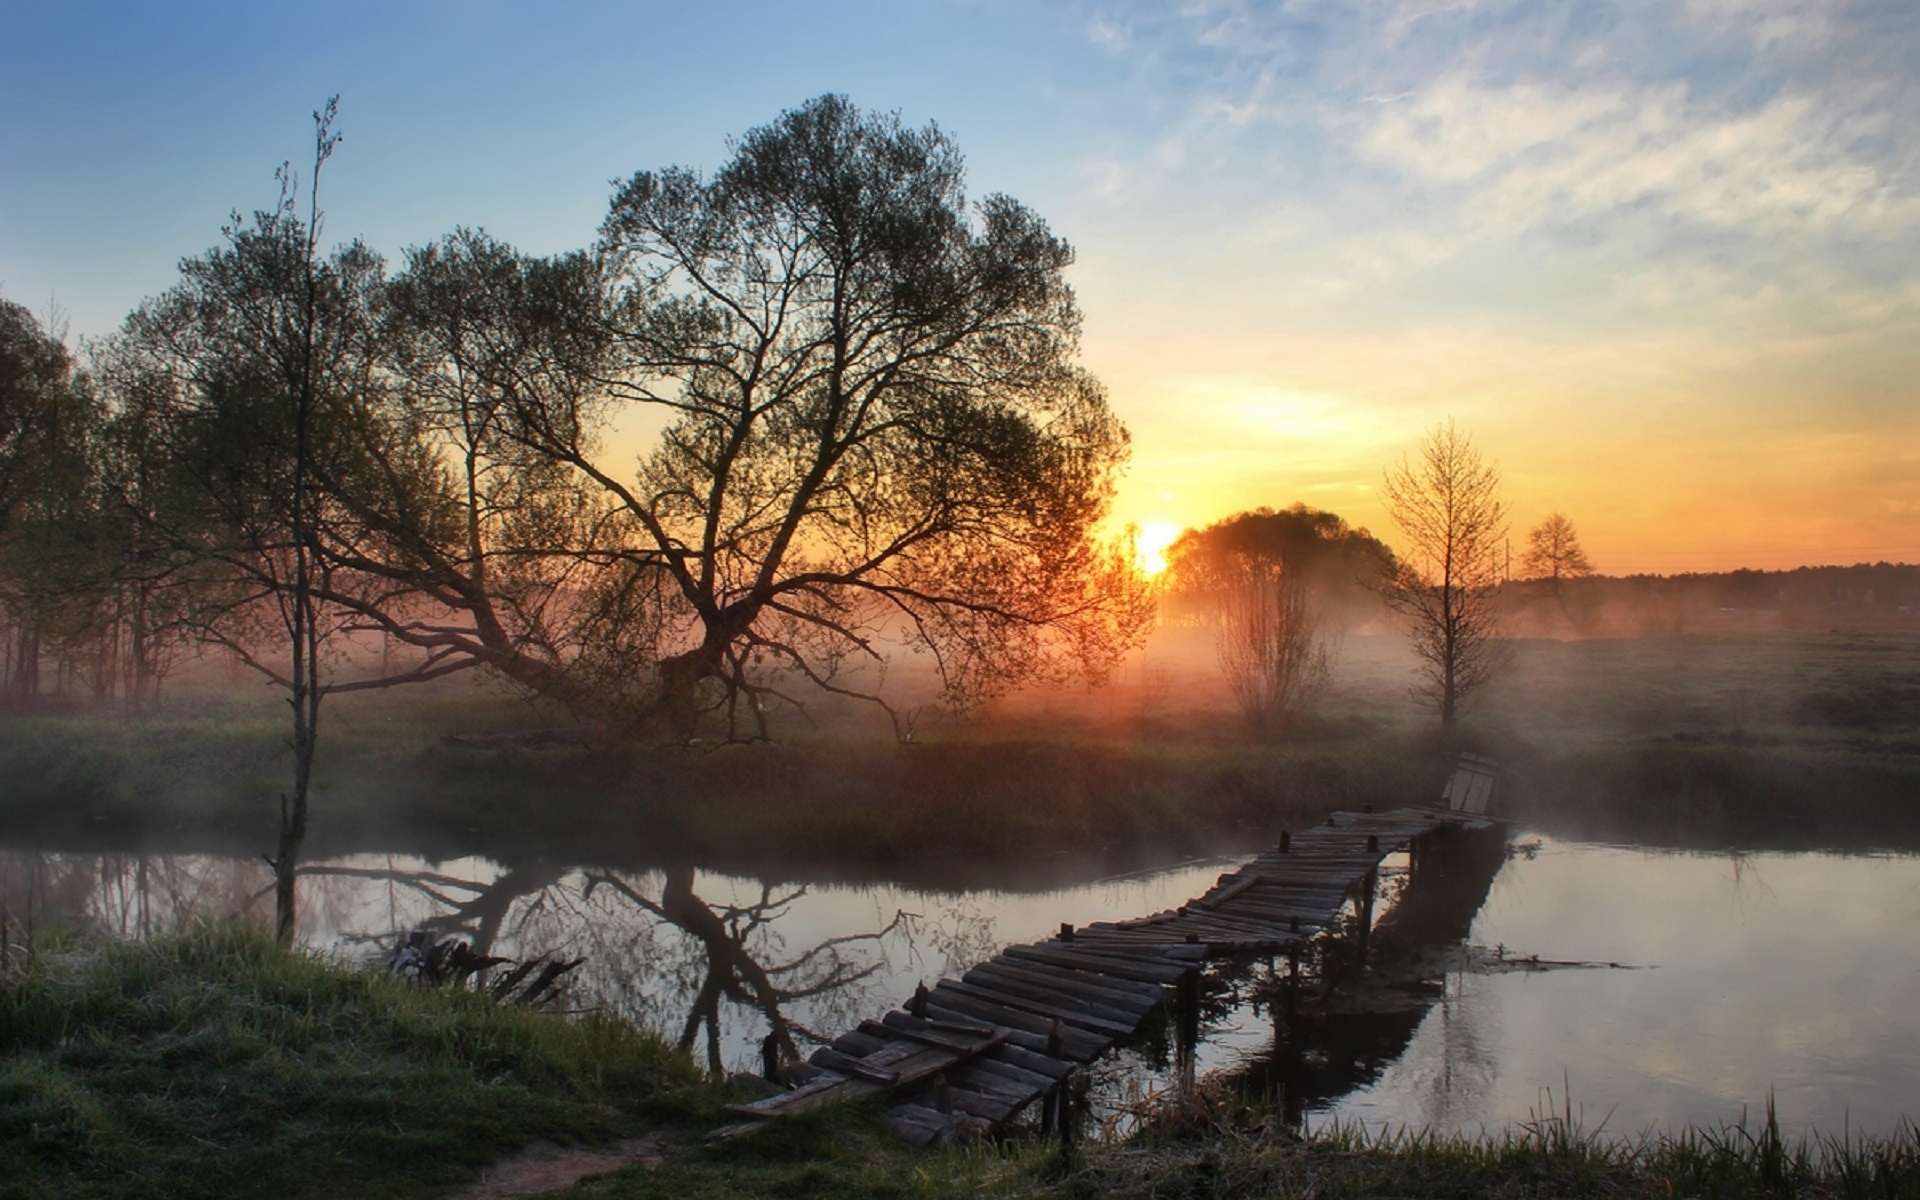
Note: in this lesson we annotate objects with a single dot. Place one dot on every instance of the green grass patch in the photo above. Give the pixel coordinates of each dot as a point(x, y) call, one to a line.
point(214, 1063)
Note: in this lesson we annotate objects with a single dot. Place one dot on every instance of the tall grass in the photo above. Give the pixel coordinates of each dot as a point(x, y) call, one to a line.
point(1551, 1155)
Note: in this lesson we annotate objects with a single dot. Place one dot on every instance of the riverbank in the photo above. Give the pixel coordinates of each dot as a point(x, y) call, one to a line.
point(996, 807)
point(214, 1064)
point(993, 807)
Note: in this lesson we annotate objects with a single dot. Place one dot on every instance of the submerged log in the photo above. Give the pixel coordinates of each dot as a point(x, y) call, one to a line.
point(451, 962)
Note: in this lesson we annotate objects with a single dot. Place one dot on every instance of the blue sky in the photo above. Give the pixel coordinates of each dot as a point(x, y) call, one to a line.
point(1662, 258)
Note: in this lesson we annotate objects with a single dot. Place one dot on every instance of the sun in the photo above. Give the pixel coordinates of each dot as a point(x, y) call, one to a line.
point(1150, 546)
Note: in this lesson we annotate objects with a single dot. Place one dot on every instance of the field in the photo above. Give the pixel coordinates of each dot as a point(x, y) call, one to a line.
point(1724, 739)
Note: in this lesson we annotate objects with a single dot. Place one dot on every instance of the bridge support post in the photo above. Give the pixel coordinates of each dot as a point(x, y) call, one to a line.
point(1187, 1037)
point(1367, 888)
point(1062, 1103)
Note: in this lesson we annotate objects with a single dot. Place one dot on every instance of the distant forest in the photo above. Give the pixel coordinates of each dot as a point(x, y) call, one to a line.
point(1859, 597)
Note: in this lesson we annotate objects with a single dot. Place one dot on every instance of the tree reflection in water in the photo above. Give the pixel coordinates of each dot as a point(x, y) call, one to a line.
point(126, 895)
point(658, 952)
point(734, 940)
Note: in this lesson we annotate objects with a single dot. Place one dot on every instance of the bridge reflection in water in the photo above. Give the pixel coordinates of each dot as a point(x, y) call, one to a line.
point(1340, 1022)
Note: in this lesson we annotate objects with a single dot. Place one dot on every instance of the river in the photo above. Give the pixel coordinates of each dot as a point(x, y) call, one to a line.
point(1671, 987)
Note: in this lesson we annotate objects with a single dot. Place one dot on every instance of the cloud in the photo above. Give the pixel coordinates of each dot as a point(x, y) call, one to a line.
point(1108, 35)
point(1540, 153)
point(1794, 22)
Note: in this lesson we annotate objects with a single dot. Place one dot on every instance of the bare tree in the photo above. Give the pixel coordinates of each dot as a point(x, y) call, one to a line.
point(1268, 640)
point(1448, 506)
point(242, 402)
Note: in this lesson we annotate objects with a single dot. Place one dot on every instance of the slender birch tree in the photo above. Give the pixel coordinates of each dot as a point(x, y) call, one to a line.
point(1454, 523)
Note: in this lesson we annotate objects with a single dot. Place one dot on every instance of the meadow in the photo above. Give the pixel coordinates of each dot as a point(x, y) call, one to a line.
point(1725, 740)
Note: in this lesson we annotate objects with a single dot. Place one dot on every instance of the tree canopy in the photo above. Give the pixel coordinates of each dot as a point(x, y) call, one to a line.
point(1338, 563)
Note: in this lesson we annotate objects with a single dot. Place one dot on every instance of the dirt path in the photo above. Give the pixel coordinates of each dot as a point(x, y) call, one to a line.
point(545, 1167)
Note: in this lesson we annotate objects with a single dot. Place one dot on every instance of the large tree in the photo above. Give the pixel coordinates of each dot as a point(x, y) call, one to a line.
point(872, 431)
point(1274, 585)
point(1448, 506)
point(869, 436)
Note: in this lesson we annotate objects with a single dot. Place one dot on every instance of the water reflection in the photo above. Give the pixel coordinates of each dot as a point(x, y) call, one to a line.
point(1339, 1020)
point(1785, 974)
point(744, 973)
point(660, 952)
point(1794, 973)
point(128, 895)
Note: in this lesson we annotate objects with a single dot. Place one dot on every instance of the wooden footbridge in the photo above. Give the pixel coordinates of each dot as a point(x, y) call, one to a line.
point(970, 1054)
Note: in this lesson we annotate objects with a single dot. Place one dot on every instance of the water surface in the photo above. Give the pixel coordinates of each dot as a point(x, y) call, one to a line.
point(1790, 974)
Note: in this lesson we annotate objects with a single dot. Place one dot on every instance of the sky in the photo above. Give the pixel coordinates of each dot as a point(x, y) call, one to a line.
point(1660, 258)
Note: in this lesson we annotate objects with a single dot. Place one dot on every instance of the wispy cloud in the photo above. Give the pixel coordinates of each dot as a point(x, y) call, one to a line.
point(1108, 35)
point(1541, 153)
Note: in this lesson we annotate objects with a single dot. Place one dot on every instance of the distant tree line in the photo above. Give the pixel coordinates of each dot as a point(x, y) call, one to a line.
point(1863, 596)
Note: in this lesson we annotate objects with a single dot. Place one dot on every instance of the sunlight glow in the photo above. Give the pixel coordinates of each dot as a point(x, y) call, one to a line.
point(1149, 549)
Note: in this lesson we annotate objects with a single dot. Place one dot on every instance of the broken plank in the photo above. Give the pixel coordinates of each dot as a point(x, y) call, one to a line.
point(1011, 1075)
point(1223, 894)
point(920, 1126)
point(1124, 1010)
point(1140, 969)
point(1032, 1030)
point(1104, 988)
point(824, 1090)
point(1041, 1064)
point(992, 1109)
point(1067, 1016)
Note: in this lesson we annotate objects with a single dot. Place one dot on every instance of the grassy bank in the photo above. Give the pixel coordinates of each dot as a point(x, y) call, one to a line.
point(1723, 794)
point(212, 1063)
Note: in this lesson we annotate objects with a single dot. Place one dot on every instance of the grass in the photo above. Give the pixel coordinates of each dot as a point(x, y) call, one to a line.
point(847, 1154)
point(980, 808)
point(1724, 794)
point(213, 1063)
